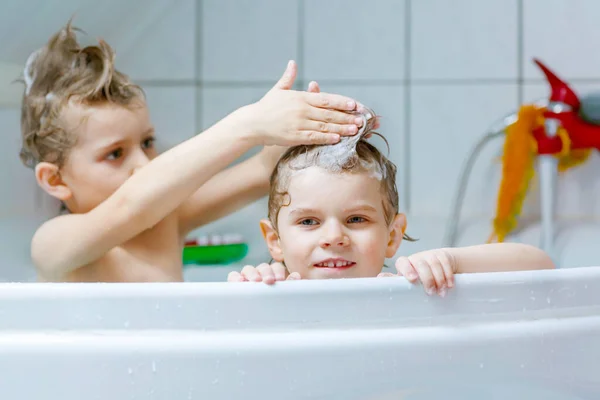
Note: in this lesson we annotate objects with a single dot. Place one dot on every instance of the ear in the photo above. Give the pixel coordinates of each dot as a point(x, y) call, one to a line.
point(397, 229)
point(48, 177)
point(272, 239)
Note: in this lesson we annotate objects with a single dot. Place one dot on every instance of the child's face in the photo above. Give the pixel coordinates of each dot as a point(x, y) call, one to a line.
point(112, 143)
point(334, 226)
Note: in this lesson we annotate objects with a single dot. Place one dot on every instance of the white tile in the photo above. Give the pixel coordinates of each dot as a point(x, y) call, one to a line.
point(579, 187)
point(247, 40)
point(19, 194)
point(564, 34)
point(446, 123)
point(388, 102)
point(464, 39)
point(161, 46)
point(217, 103)
point(173, 113)
point(350, 39)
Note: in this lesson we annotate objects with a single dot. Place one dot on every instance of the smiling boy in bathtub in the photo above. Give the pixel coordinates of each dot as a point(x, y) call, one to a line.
point(333, 213)
point(88, 136)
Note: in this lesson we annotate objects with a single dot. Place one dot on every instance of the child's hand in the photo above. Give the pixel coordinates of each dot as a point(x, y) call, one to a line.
point(285, 117)
point(434, 268)
point(266, 273)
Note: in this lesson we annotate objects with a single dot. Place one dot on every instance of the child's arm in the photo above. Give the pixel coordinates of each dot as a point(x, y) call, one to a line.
point(436, 268)
point(499, 257)
point(156, 190)
point(219, 197)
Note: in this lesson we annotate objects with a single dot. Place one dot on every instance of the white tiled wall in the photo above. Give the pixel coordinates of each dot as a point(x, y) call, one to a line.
point(439, 72)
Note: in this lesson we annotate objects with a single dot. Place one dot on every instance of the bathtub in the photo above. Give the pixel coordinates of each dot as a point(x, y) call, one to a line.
point(522, 335)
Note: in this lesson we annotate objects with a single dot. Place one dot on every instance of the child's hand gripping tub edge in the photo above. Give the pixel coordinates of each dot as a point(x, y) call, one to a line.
point(160, 186)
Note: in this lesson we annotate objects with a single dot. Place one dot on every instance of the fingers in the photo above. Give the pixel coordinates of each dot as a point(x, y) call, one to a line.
point(266, 273)
point(294, 276)
point(386, 275)
point(319, 126)
point(312, 137)
point(313, 87)
point(405, 268)
point(235, 276)
point(286, 81)
point(438, 276)
point(425, 275)
point(279, 271)
point(251, 273)
point(331, 101)
point(334, 117)
point(447, 267)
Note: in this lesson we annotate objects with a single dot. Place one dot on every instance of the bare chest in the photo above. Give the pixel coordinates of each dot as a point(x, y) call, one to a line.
point(155, 255)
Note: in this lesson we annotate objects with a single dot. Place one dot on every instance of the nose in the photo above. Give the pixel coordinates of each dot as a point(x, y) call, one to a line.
point(138, 160)
point(334, 236)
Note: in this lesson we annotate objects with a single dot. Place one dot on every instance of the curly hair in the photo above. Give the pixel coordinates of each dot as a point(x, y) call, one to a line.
point(57, 73)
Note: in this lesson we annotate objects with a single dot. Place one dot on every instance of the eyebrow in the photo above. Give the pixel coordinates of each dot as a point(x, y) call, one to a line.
point(302, 211)
point(362, 207)
point(114, 143)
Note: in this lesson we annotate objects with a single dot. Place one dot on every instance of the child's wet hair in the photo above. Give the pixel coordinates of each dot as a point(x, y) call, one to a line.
point(364, 157)
point(60, 72)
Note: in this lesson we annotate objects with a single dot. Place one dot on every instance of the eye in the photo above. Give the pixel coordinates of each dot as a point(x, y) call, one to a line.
point(308, 222)
point(356, 220)
point(115, 154)
point(148, 143)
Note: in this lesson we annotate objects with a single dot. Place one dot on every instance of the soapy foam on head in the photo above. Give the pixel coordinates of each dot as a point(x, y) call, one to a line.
point(342, 156)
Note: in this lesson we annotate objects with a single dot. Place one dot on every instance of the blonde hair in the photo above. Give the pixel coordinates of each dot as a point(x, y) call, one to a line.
point(364, 157)
point(53, 75)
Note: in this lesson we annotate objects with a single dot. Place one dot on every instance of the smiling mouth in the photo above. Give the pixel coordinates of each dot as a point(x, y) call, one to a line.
point(334, 263)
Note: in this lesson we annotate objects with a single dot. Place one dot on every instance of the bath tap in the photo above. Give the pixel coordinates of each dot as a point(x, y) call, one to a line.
point(558, 132)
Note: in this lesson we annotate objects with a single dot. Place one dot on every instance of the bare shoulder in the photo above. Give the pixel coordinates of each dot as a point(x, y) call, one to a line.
point(45, 237)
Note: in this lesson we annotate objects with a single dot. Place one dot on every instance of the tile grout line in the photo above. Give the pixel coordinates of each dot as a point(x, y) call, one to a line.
point(520, 55)
point(198, 49)
point(300, 80)
point(406, 186)
point(350, 82)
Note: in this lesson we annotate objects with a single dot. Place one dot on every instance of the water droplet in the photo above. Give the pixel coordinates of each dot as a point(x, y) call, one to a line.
point(481, 365)
point(158, 306)
point(215, 381)
point(154, 366)
point(391, 298)
point(239, 322)
point(129, 371)
point(390, 290)
point(216, 312)
point(126, 324)
point(242, 372)
point(179, 306)
point(522, 365)
point(548, 300)
point(532, 298)
point(585, 286)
